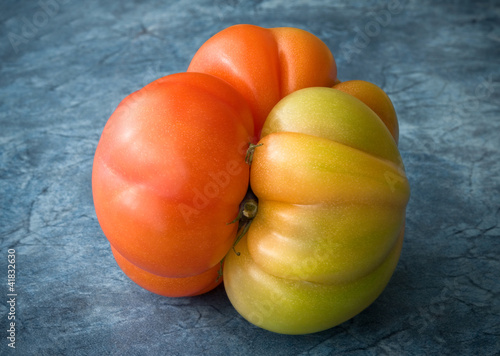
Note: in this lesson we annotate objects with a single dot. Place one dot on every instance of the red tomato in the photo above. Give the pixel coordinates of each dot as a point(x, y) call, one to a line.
point(169, 174)
point(265, 65)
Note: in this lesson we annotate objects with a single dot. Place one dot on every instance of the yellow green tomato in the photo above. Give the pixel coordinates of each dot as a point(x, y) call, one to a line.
point(332, 195)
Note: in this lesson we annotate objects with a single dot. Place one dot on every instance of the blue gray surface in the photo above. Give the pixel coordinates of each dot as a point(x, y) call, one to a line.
point(65, 66)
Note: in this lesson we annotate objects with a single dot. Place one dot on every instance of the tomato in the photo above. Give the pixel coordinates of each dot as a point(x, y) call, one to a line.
point(169, 173)
point(332, 196)
point(169, 176)
point(265, 65)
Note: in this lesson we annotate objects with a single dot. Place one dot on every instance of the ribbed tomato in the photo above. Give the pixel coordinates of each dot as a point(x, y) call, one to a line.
point(265, 65)
point(169, 174)
point(329, 229)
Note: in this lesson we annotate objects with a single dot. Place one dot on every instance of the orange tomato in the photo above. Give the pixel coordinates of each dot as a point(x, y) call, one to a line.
point(265, 65)
point(169, 173)
point(171, 287)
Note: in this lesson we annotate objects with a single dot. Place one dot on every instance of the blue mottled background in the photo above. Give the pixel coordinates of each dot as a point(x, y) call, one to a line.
point(65, 66)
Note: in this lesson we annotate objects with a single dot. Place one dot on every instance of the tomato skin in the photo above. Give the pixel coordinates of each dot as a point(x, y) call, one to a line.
point(265, 65)
point(328, 233)
point(376, 99)
point(295, 307)
point(170, 287)
point(169, 174)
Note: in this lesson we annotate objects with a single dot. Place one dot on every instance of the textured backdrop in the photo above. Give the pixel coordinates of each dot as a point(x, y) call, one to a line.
point(65, 66)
